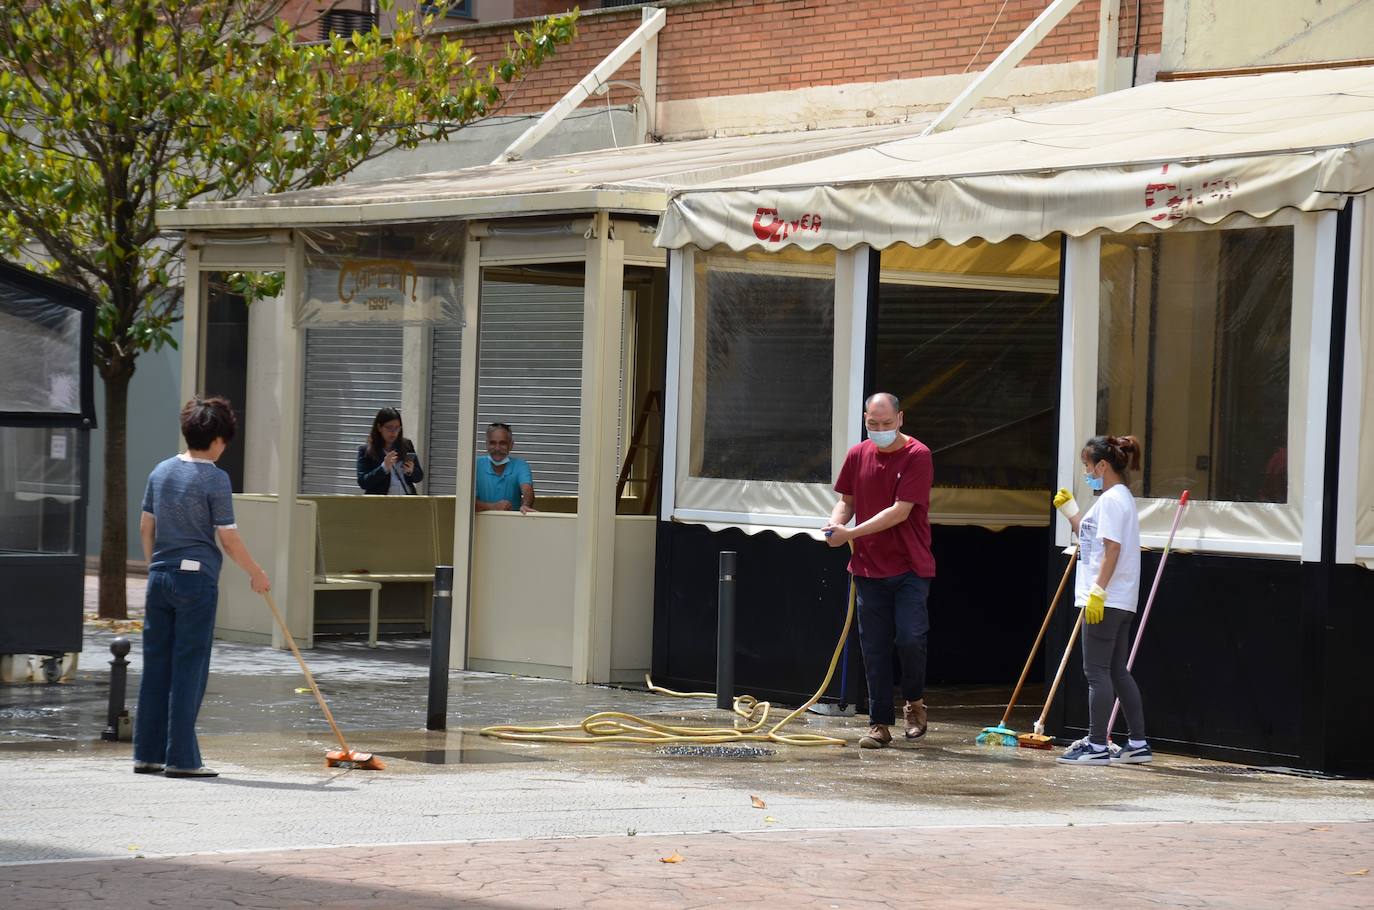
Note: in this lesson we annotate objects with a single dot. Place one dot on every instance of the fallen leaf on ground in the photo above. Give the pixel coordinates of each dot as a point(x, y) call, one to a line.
point(768, 820)
point(675, 858)
point(133, 847)
point(1359, 872)
point(758, 803)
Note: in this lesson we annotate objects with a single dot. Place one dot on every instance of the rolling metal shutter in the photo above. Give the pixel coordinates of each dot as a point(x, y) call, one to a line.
point(446, 356)
point(530, 377)
point(350, 373)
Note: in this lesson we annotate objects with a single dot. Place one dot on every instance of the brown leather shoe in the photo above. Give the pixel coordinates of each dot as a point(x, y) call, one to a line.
point(914, 715)
point(877, 737)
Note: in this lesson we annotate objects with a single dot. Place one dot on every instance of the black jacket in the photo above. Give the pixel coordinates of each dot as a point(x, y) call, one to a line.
point(374, 478)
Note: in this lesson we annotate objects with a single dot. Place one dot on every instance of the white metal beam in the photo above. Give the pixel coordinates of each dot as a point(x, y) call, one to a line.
point(1005, 62)
point(648, 76)
point(638, 40)
point(1108, 31)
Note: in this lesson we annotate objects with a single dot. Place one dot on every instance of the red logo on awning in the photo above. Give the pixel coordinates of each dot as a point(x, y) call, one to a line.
point(768, 226)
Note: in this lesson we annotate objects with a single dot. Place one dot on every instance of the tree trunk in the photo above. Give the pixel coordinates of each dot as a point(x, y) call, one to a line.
point(114, 533)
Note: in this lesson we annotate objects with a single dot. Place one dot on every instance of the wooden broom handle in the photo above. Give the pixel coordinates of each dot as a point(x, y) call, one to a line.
point(1040, 636)
point(304, 669)
point(1063, 662)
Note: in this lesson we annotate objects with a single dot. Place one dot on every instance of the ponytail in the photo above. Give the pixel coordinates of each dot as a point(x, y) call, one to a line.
point(1121, 452)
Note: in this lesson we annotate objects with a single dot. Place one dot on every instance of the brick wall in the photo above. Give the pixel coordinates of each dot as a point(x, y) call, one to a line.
point(732, 47)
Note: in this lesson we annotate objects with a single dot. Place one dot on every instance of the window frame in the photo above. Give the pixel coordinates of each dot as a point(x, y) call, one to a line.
point(1290, 530)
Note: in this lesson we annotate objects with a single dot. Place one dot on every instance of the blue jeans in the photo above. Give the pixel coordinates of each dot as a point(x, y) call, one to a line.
point(178, 630)
point(893, 616)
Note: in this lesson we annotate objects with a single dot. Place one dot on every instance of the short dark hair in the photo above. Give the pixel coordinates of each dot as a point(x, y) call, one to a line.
point(204, 420)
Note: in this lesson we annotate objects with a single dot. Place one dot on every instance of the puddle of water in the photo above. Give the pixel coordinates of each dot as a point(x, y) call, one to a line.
point(460, 756)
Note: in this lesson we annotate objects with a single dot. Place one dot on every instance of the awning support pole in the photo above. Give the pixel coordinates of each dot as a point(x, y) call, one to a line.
point(1005, 62)
point(641, 39)
point(1108, 30)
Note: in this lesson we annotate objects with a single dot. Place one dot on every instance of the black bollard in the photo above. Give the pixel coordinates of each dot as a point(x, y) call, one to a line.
point(441, 627)
point(117, 724)
point(725, 632)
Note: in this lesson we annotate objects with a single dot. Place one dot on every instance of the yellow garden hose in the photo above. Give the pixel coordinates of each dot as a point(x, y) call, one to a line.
point(619, 727)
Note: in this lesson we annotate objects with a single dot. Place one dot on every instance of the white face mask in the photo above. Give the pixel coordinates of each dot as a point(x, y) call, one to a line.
point(882, 438)
point(501, 462)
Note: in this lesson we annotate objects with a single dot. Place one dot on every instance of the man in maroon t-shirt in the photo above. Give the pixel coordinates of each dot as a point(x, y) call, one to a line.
point(885, 485)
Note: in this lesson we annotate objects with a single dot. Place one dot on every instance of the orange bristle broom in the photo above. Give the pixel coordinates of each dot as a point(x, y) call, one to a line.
point(1038, 739)
point(364, 761)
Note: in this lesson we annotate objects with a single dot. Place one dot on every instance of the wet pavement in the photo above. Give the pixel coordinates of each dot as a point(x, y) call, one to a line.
point(478, 813)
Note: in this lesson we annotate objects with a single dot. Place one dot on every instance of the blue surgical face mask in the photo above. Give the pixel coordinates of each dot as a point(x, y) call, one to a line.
point(882, 438)
point(1094, 482)
point(501, 462)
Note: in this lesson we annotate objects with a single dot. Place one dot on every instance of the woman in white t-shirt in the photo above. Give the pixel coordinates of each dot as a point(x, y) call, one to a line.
point(1107, 589)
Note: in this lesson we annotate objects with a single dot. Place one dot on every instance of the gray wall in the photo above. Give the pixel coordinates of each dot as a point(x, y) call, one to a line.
point(154, 402)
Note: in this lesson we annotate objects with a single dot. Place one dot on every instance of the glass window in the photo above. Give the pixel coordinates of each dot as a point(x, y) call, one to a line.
point(1193, 358)
point(977, 372)
point(968, 337)
point(40, 489)
point(764, 354)
point(40, 346)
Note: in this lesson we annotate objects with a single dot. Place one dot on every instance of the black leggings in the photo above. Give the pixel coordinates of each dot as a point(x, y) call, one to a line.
point(1106, 645)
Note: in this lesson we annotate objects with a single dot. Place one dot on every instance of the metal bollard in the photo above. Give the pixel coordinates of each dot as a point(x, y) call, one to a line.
point(118, 726)
point(725, 632)
point(441, 627)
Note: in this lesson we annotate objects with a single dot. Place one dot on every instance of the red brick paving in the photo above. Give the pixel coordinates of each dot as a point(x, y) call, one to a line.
point(1166, 865)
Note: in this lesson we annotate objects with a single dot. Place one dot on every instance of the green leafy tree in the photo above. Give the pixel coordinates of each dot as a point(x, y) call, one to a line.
point(113, 109)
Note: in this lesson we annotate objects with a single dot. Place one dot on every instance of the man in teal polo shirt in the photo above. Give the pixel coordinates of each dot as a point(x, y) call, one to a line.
point(504, 483)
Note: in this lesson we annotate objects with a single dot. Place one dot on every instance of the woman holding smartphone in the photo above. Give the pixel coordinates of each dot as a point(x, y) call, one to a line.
point(387, 464)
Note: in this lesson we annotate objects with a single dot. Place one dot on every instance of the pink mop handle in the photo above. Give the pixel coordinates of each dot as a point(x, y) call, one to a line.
point(1150, 602)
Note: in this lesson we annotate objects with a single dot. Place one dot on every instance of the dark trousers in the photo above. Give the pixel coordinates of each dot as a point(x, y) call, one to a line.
point(178, 630)
point(1106, 647)
point(893, 617)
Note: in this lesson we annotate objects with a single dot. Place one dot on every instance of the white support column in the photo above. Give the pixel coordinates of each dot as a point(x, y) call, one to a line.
point(416, 353)
point(1352, 398)
point(1108, 30)
point(851, 329)
point(192, 325)
point(1314, 256)
point(463, 513)
point(1078, 363)
point(648, 77)
point(596, 471)
point(680, 294)
point(290, 580)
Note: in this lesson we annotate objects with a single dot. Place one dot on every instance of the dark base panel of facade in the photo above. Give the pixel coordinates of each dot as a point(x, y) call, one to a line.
point(1246, 660)
point(41, 611)
point(985, 606)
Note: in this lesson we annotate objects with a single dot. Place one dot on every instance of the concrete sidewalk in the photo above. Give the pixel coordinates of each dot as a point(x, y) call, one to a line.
point(458, 819)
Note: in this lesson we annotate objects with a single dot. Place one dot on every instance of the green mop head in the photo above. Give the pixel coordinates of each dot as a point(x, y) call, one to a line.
point(997, 736)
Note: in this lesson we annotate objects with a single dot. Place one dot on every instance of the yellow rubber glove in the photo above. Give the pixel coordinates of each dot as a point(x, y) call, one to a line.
point(1065, 503)
point(1096, 607)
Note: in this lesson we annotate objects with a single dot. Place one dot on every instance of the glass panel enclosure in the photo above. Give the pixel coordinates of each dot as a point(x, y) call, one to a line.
point(1193, 357)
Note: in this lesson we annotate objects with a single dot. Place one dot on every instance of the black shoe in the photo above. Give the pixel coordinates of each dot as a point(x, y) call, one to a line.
point(147, 767)
point(202, 771)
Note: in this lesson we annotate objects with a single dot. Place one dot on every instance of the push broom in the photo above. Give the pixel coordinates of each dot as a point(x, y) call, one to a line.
point(364, 761)
point(1038, 739)
point(1002, 735)
point(1149, 602)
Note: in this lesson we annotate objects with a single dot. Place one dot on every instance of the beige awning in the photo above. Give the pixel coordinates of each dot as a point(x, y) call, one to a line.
point(632, 179)
point(1154, 155)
